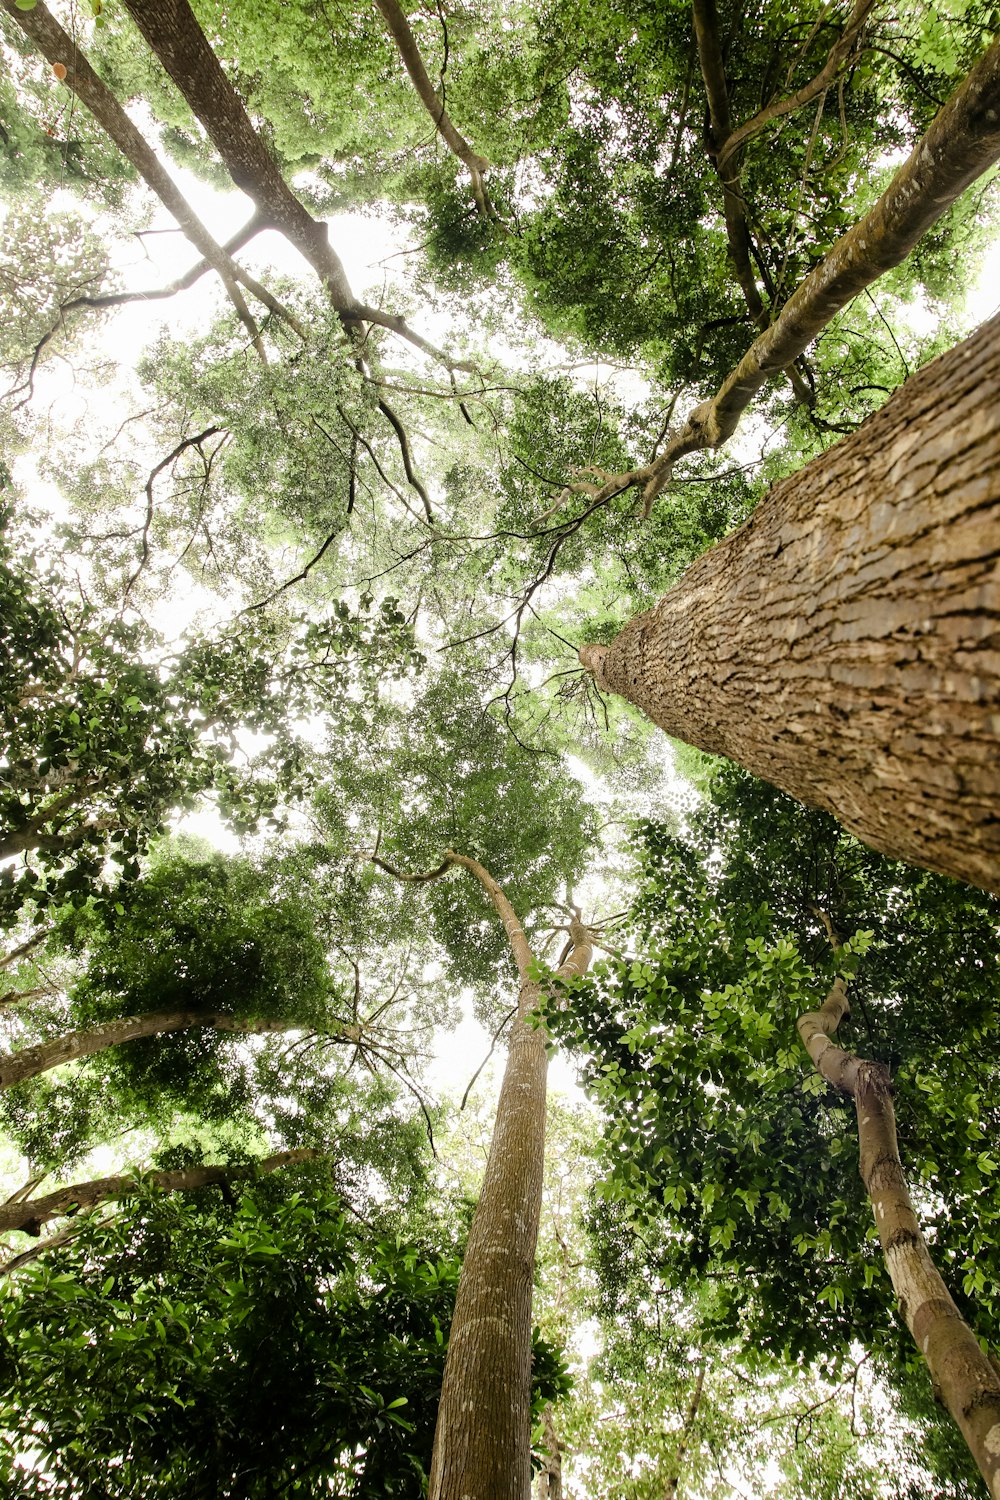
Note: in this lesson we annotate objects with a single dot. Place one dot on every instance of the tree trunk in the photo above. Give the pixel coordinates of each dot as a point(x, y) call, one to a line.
point(966, 1378)
point(35, 1212)
point(171, 30)
point(550, 1485)
point(16, 1067)
point(482, 1443)
point(844, 643)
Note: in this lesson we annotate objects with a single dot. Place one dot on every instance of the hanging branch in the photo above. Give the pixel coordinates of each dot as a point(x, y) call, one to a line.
point(838, 55)
point(476, 165)
point(175, 453)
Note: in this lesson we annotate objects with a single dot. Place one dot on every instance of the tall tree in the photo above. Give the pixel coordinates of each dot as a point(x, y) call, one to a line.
point(841, 643)
point(482, 1443)
point(692, 1053)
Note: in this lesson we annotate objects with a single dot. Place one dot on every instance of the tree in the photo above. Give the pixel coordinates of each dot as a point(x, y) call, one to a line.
point(870, 688)
point(239, 1347)
point(482, 1442)
point(691, 1051)
point(695, 194)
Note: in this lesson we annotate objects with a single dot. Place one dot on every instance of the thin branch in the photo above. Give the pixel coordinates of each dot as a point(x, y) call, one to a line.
point(496, 1037)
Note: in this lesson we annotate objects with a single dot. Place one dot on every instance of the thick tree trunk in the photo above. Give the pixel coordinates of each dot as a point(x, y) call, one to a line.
point(16, 1067)
point(968, 1382)
point(844, 643)
point(30, 1215)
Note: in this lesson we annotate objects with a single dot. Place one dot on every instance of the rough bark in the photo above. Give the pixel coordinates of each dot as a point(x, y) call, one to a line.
point(844, 643)
point(33, 1213)
point(406, 43)
point(966, 1378)
point(29, 1062)
point(57, 46)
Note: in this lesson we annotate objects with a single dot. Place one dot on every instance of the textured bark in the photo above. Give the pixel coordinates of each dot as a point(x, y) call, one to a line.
point(32, 1214)
point(58, 47)
point(966, 1378)
point(29, 1062)
point(172, 32)
point(482, 1443)
point(399, 29)
point(844, 643)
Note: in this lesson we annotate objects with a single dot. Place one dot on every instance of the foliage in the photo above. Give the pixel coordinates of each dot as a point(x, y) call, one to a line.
point(198, 1349)
point(103, 743)
point(720, 1138)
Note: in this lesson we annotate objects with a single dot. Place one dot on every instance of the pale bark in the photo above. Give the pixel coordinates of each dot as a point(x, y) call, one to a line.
point(844, 643)
point(550, 1485)
point(58, 47)
point(476, 165)
point(30, 1215)
point(29, 945)
point(965, 1377)
point(482, 1442)
point(29, 1062)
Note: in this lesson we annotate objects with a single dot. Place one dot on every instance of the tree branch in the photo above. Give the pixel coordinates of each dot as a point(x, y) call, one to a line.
point(477, 166)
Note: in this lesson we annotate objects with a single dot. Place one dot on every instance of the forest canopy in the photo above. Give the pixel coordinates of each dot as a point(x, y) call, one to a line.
point(498, 536)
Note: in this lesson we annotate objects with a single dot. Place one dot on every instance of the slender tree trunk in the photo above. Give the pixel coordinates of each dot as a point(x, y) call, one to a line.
point(844, 643)
point(684, 1441)
point(33, 1213)
point(482, 1443)
point(550, 1485)
point(962, 142)
point(16, 1067)
point(964, 1375)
